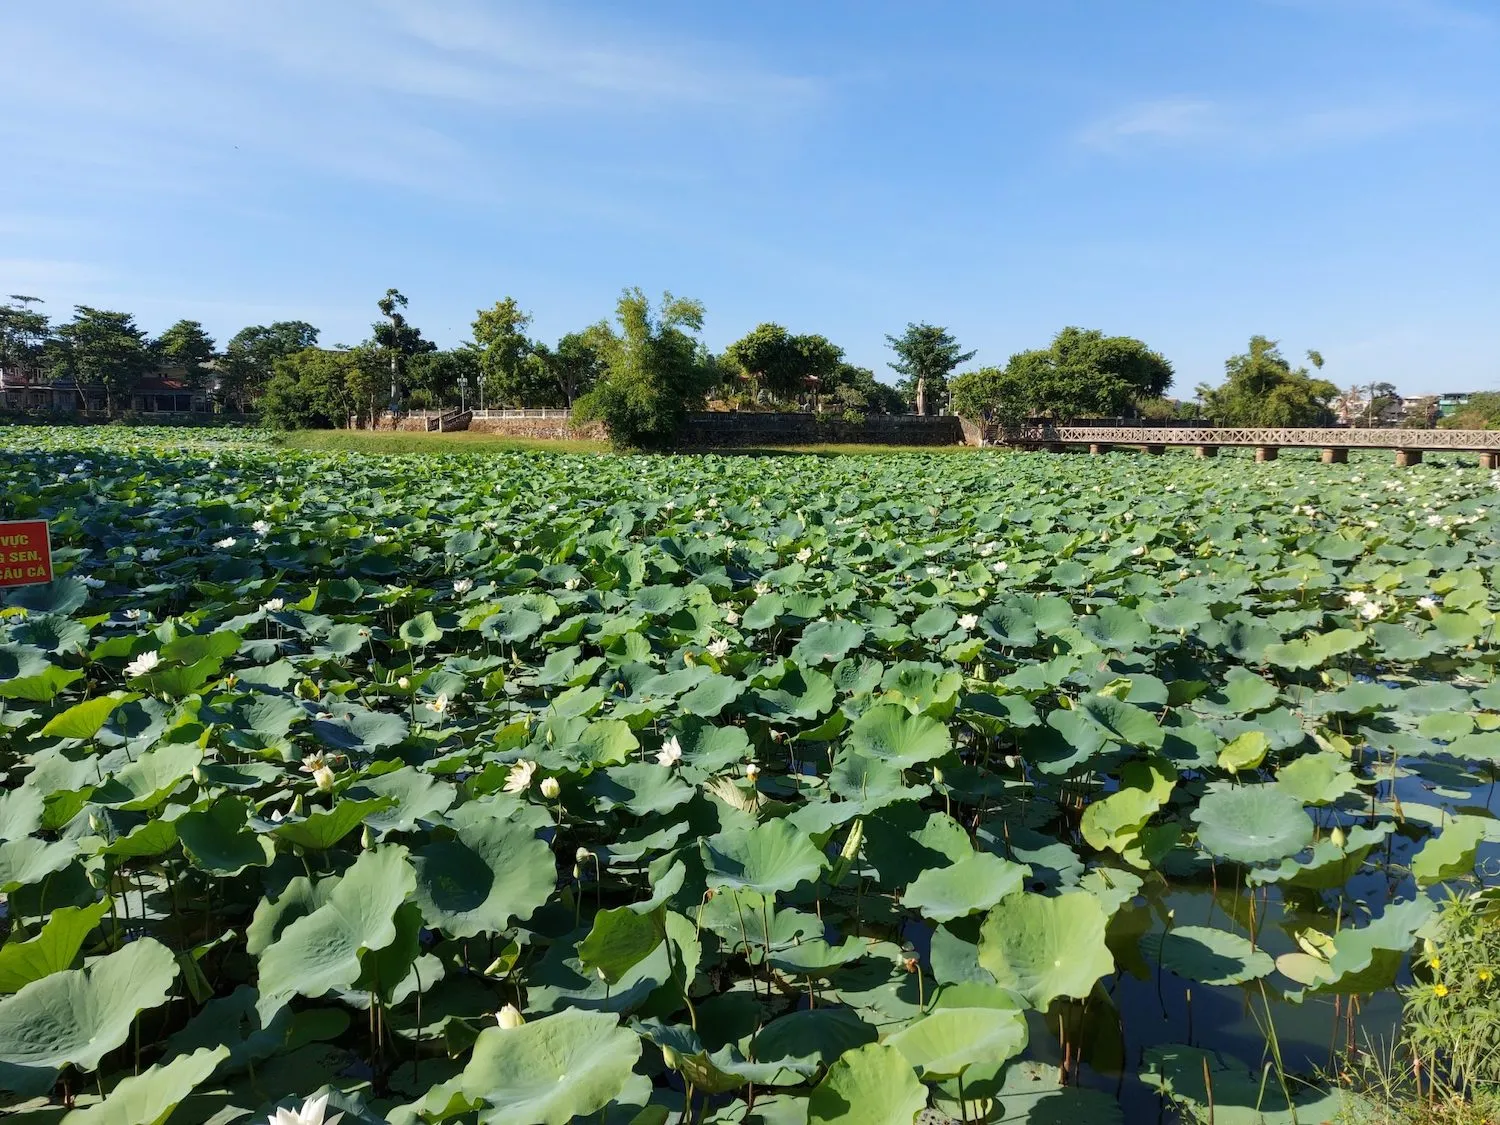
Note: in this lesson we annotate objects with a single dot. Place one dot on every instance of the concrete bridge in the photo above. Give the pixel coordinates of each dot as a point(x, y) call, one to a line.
point(1409, 445)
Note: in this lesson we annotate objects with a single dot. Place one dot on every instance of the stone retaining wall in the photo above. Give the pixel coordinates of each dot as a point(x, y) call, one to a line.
point(742, 429)
point(556, 429)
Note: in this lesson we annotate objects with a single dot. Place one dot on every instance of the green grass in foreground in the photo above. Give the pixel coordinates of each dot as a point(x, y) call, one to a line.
point(366, 441)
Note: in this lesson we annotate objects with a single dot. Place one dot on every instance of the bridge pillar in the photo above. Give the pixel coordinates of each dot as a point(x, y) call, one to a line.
point(1489, 460)
point(1408, 457)
point(1097, 447)
point(1335, 456)
point(1206, 451)
point(1156, 450)
point(1266, 452)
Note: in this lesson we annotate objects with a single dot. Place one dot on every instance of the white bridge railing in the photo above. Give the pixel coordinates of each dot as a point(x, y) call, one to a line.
point(1429, 440)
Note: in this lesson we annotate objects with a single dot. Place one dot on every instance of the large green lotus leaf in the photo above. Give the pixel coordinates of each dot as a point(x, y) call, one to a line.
point(1245, 751)
point(1314, 651)
point(620, 939)
point(150, 1097)
point(774, 856)
point(1240, 1095)
point(935, 622)
point(810, 1038)
point(1177, 615)
point(923, 689)
point(869, 1085)
point(763, 612)
point(21, 810)
point(1045, 947)
point(1241, 693)
point(420, 631)
point(948, 1041)
point(802, 694)
point(903, 840)
point(1449, 854)
point(320, 952)
point(322, 828)
point(1252, 823)
point(1122, 722)
point(1114, 823)
point(217, 839)
point(151, 778)
point(641, 788)
point(1480, 747)
point(1317, 779)
point(83, 720)
point(416, 797)
point(52, 950)
point(871, 782)
point(40, 687)
point(30, 860)
point(549, 1071)
point(973, 884)
point(1009, 625)
point(75, 1017)
point(1208, 955)
point(1115, 627)
point(827, 642)
point(1330, 865)
point(711, 696)
point(1367, 958)
point(494, 872)
point(889, 733)
point(512, 626)
point(1030, 1095)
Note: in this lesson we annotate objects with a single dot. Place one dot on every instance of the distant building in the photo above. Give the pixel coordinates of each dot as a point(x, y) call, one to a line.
point(154, 394)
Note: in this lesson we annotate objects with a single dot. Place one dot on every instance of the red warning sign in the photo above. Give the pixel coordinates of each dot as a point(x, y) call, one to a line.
point(25, 552)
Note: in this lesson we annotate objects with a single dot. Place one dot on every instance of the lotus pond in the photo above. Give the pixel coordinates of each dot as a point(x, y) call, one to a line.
point(535, 788)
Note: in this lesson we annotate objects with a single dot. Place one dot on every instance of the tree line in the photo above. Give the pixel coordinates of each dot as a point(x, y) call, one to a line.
point(642, 370)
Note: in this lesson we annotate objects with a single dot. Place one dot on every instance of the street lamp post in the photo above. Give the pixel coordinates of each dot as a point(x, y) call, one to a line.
point(463, 387)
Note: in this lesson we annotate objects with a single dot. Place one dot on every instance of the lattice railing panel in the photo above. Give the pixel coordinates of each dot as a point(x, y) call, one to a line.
point(1472, 440)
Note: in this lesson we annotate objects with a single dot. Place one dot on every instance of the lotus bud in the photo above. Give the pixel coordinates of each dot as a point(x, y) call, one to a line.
point(550, 788)
point(583, 855)
point(297, 805)
point(1337, 836)
point(96, 823)
point(752, 771)
point(669, 1054)
point(937, 776)
point(403, 683)
point(689, 659)
point(197, 775)
point(577, 872)
point(509, 1017)
point(323, 778)
point(367, 839)
point(600, 974)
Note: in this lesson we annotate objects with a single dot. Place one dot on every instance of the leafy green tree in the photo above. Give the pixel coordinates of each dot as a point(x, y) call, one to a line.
point(505, 350)
point(655, 371)
point(322, 388)
point(398, 340)
point(571, 369)
point(1481, 412)
point(1262, 389)
point(433, 377)
point(24, 335)
point(105, 347)
point(925, 356)
point(185, 345)
point(785, 365)
point(250, 358)
point(856, 388)
point(992, 396)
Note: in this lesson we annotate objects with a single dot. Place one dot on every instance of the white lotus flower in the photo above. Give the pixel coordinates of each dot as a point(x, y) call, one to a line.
point(1426, 604)
point(719, 649)
point(462, 585)
point(134, 614)
point(261, 528)
point(752, 771)
point(403, 683)
point(551, 787)
point(439, 705)
point(804, 555)
point(91, 582)
point(311, 1113)
point(1370, 610)
point(762, 588)
point(968, 621)
point(323, 779)
point(670, 753)
point(518, 780)
point(380, 540)
point(150, 554)
point(1138, 551)
point(509, 1017)
point(227, 542)
point(732, 618)
point(273, 605)
point(142, 664)
point(1001, 567)
point(1355, 597)
point(571, 584)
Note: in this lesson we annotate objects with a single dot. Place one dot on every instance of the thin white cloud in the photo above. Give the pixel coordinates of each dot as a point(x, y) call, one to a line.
point(1190, 123)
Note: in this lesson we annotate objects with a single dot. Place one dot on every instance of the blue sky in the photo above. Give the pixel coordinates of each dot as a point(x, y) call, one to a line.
point(1325, 172)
